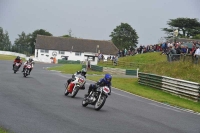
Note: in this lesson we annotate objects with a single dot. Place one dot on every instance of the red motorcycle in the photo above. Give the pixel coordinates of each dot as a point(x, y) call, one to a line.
point(27, 69)
point(16, 67)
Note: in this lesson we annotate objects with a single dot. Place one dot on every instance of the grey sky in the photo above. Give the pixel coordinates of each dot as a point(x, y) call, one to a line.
point(94, 19)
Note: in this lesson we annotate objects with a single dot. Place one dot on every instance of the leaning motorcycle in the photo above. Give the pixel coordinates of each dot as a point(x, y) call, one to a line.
point(16, 67)
point(97, 98)
point(74, 86)
point(26, 70)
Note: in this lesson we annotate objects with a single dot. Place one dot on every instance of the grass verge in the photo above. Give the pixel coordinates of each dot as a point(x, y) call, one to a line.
point(8, 57)
point(3, 130)
point(131, 85)
point(72, 68)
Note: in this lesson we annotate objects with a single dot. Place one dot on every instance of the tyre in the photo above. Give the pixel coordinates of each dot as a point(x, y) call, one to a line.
point(84, 103)
point(66, 92)
point(99, 105)
point(75, 91)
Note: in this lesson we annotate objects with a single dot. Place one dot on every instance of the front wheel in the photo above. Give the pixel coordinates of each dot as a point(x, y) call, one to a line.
point(66, 92)
point(99, 104)
point(75, 91)
point(84, 103)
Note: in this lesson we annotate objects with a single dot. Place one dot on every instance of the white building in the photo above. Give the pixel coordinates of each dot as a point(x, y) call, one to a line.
point(73, 49)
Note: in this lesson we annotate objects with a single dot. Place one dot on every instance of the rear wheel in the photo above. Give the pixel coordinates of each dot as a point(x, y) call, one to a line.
point(25, 72)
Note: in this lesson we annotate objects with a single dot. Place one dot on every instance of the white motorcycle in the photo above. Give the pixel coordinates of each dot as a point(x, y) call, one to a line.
point(27, 69)
point(74, 86)
point(97, 98)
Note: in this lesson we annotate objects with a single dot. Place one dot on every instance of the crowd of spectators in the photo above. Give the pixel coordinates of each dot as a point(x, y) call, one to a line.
point(165, 48)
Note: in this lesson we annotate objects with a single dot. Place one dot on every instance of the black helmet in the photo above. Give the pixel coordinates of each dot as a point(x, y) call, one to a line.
point(30, 59)
point(83, 71)
point(18, 58)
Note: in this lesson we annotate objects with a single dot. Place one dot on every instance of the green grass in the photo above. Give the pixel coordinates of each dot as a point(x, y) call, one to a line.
point(131, 85)
point(3, 130)
point(8, 57)
point(72, 68)
point(156, 64)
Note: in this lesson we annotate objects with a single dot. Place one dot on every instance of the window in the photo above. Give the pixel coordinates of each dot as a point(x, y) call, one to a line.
point(44, 51)
point(47, 55)
point(41, 51)
point(61, 52)
point(77, 54)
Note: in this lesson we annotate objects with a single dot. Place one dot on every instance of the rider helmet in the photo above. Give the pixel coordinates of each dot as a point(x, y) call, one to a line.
point(30, 59)
point(18, 58)
point(107, 78)
point(83, 71)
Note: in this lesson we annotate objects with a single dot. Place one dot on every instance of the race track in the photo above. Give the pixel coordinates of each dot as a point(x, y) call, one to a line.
point(37, 104)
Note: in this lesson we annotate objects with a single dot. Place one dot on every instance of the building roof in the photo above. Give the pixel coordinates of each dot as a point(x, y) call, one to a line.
point(74, 44)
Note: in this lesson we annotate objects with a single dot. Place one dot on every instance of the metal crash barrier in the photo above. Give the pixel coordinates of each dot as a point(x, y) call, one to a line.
point(179, 87)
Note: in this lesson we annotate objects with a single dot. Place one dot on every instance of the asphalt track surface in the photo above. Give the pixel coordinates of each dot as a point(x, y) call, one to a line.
point(37, 104)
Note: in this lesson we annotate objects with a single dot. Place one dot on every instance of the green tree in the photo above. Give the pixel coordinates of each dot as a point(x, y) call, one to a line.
point(32, 39)
point(7, 42)
point(23, 39)
point(124, 36)
point(1, 38)
point(22, 43)
point(187, 27)
point(66, 36)
point(196, 37)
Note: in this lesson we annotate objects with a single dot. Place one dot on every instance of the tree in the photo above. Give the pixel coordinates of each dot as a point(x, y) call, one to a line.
point(32, 39)
point(5, 43)
point(124, 36)
point(22, 43)
point(1, 38)
point(196, 37)
point(22, 39)
point(66, 36)
point(187, 27)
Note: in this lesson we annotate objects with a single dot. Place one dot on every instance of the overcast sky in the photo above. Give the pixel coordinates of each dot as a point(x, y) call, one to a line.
point(94, 19)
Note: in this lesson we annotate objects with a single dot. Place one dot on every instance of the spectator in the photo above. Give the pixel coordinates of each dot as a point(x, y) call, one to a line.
point(197, 54)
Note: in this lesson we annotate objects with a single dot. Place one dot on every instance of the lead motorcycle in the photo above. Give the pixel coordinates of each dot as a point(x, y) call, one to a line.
point(74, 86)
point(97, 98)
point(16, 67)
point(26, 70)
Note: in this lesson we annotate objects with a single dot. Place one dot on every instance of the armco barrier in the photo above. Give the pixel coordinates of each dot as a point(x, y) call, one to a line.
point(97, 68)
point(132, 72)
point(176, 86)
point(116, 71)
point(68, 62)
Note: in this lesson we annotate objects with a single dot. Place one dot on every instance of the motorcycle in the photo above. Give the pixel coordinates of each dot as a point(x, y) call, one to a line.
point(97, 98)
point(26, 70)
point(16, 67)
point(74, 86)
